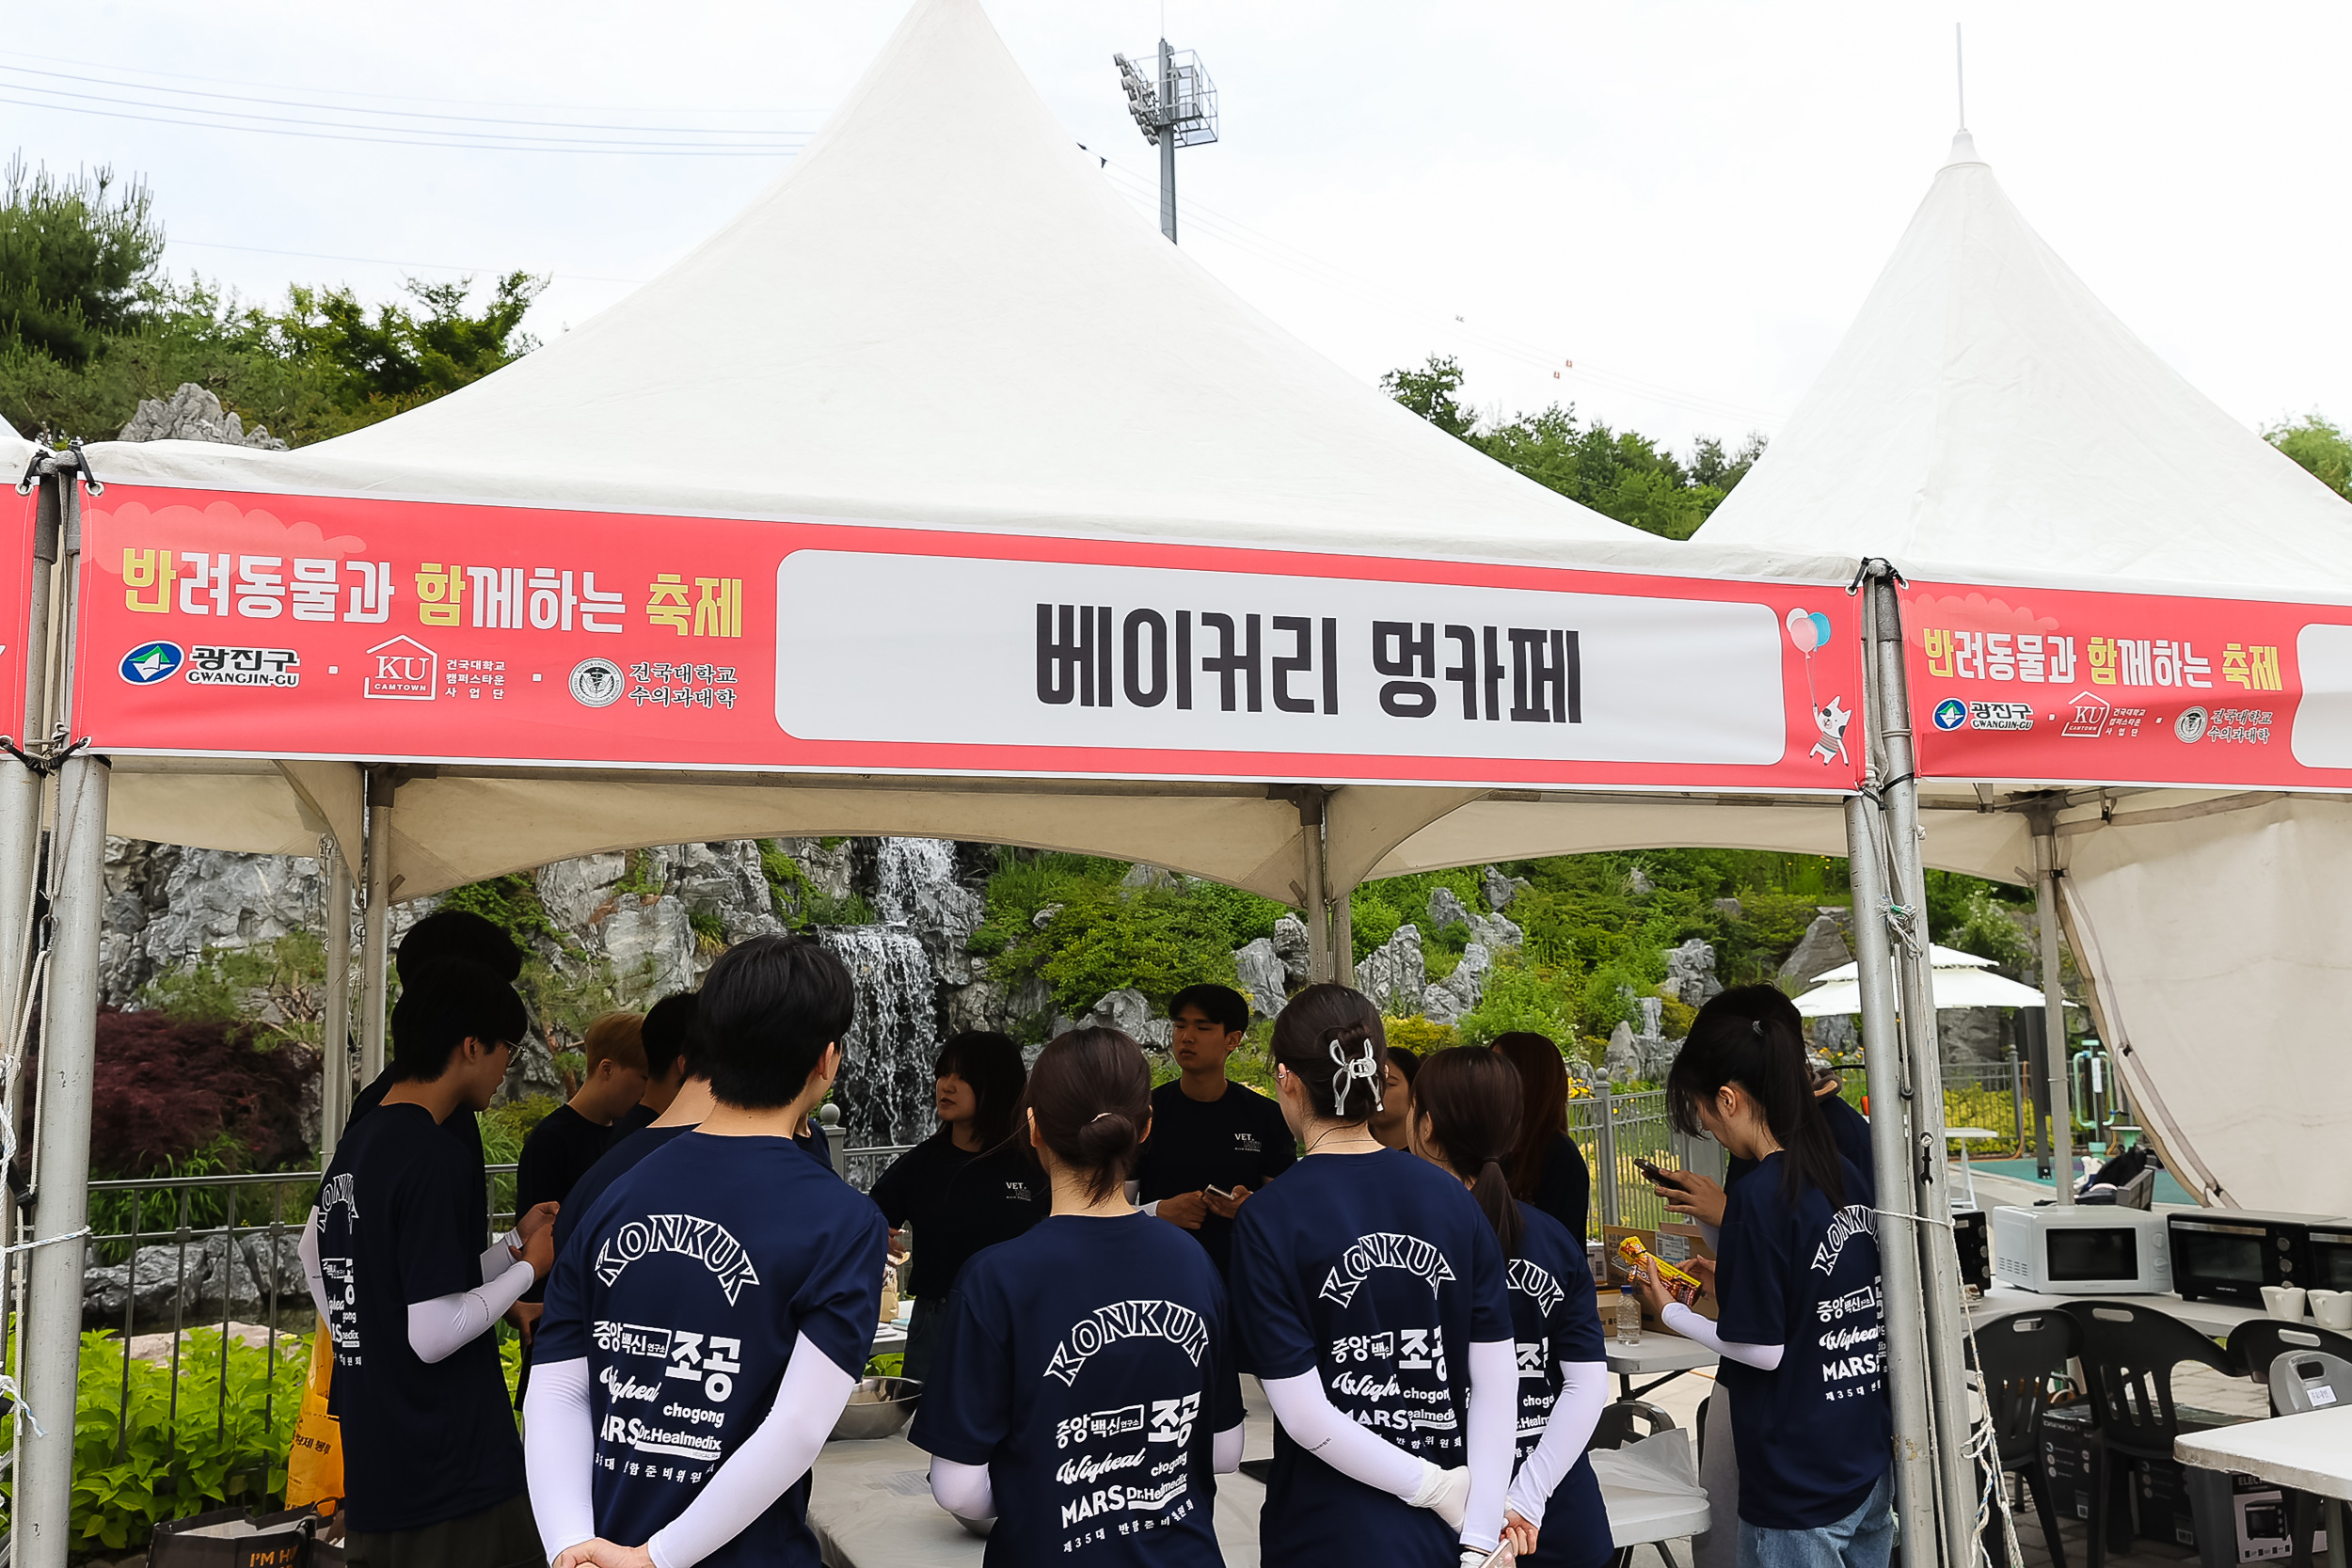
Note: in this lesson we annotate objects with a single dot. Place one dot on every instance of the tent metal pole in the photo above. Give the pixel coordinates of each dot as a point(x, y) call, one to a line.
point(41, 1532)
point(335, 1030)
point(20, 785)
point(1939, 1257)
point(375, 940)
point(1890, 1159)
point(2053, 1061)
point(1314, 898)
point(1343, 936)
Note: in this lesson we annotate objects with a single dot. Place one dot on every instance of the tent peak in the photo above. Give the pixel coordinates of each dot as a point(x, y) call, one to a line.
point(1964, 148)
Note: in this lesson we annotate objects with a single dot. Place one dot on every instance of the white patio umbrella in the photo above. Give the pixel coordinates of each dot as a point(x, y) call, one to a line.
point(1955, 986)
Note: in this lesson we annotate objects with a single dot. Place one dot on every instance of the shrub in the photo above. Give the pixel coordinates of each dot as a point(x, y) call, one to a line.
point(165, 1089)
point(1520, 996)
point(1420, 1036)
point(138, 1462)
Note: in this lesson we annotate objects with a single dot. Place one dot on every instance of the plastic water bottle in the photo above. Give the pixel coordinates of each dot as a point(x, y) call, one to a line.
point(1628, 1319)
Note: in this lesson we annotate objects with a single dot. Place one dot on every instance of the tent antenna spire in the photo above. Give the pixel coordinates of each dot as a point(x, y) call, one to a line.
point(1960, 73)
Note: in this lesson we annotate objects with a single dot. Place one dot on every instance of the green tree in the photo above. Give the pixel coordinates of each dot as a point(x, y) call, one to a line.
point(2320, 446)
point(76, 256)
point(1620, 474)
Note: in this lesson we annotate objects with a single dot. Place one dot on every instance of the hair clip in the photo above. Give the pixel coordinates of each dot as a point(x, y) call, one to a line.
point(1757, 1024)
point(1352, 1068)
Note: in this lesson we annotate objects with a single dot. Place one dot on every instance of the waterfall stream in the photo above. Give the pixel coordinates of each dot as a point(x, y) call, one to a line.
point(885, 1088)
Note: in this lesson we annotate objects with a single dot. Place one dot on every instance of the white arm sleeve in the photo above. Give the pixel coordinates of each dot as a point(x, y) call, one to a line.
point(776, 1455)
point(962, 1490)
point(1226, 1451)
point(1134, 1191)
point(1764, 1358)
point(1583, 1393)
point(1713, 1236)
point(312, 1275)
point(437, 1327)
point(1494, 1421)
point(1357, 1452)
point(560, 1455)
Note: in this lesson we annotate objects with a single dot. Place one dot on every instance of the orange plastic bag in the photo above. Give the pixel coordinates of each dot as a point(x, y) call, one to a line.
point(314, 1464)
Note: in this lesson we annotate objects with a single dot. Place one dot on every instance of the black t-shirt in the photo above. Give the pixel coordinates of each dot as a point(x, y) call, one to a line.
point(461, 1126)
point(687, 1289)
point(959, 1203)
point(1852, 1130)
point(618, 1160)
point(1812, 1436)
point(635, 1120)
point(1239, 1137)
point(1087, 1364)
point(1556, 1322)
point(1564, 1189)
point(422, 1442)
point(1377, 1272)
point(555, 1156)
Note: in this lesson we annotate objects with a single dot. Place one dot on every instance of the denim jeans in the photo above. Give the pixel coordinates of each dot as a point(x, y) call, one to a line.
point(1863, 1539)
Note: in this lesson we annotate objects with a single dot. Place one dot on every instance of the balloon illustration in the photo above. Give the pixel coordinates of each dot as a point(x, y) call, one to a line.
point(1809, 629)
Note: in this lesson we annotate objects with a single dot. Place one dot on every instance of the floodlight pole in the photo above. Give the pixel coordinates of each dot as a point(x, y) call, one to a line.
point(1168, 145)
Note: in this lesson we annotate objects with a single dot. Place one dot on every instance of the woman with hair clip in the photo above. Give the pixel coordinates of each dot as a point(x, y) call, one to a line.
point(1796, 1277)
point(962, 1188)
point(1369, 1292)
point(1088, 1396)
point(1466, 1105)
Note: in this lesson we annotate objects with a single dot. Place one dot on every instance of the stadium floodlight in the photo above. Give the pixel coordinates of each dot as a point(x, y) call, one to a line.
point(1179, 111)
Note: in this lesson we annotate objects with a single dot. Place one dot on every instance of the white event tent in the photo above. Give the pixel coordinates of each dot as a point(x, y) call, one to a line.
point(940, 314)
point(1987, 420)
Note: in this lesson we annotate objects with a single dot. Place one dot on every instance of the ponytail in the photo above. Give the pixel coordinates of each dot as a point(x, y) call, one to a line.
point(1090, 1093)
point(1751, 1035)
point(1329, 1037)
point(1472, 1098)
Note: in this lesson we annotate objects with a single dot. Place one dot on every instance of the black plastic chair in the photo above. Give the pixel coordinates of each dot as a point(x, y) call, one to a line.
point(2018, 1355)
point(2128, 1354)
point(1624, 1421)
point(2258, 1341)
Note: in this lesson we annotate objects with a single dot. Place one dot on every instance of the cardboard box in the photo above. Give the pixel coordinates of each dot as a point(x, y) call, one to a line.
point(231, 1538)
point(2066, 1455)
point(1671, 1243)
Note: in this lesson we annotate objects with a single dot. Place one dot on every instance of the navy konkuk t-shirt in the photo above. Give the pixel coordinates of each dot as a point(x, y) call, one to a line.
point(1377, 1272)
point(1812, 1436)
point(1555, 1321)
point(424, 1442)
point(684, 1289)
point(1087, 1364)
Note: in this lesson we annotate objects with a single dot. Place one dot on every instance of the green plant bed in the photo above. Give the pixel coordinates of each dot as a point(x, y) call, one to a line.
point(138, 1462)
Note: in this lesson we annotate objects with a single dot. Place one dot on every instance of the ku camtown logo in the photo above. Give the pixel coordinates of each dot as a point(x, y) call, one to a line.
point(403, 669)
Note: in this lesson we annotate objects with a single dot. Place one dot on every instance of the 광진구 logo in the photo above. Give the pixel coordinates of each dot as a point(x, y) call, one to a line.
point(1950, 714)
point(151, 663)
point(596, 683)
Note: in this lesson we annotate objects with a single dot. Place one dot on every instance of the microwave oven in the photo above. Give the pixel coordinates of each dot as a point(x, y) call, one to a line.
point(2086, 1250)
point(2330, 1245)
point(2231, 1254)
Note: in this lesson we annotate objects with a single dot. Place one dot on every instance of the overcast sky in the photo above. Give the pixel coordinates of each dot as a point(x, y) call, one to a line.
point(1688, 200)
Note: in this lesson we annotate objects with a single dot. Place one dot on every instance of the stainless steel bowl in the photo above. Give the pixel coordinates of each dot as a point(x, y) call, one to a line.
point(877, 1406)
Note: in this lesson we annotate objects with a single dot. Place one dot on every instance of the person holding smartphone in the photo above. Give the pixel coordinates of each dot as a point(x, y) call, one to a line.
point(1214, 1142)
point(1796, 1275)
point(1371, 1303)
point(1465, 1117)
point(1088, 1398)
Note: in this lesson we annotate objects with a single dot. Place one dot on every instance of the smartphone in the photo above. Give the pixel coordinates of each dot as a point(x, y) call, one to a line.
point(1496, 1558)
point(1652, 1174)
point(1218, 1191)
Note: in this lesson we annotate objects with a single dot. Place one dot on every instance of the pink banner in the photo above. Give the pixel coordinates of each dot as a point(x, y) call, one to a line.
point(279, 626)
point(2050, 686)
